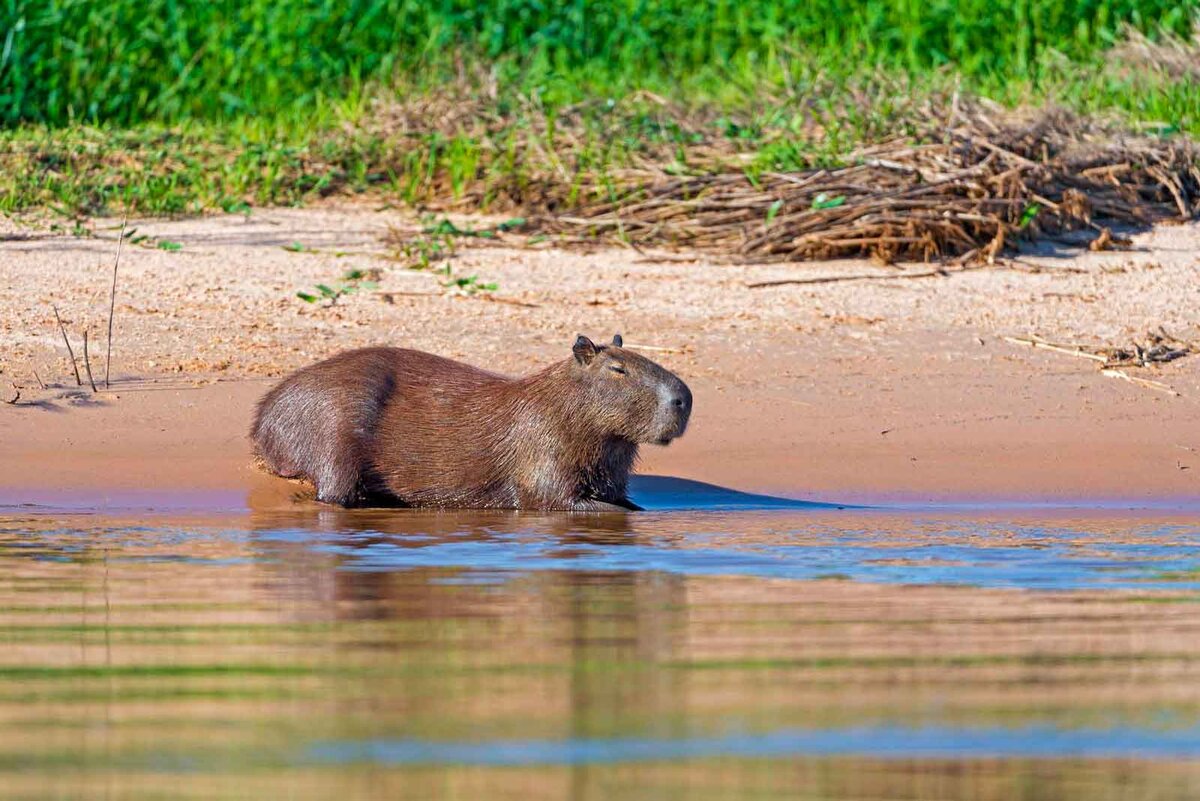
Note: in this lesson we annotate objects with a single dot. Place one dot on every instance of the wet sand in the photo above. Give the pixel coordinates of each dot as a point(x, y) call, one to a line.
point(873, 391)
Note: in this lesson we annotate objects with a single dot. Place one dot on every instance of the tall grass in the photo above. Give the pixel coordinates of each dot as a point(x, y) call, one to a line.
point(131, 61)
point(176, 106)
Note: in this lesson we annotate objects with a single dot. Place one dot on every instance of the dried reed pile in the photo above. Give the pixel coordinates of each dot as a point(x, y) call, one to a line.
point(976, 185)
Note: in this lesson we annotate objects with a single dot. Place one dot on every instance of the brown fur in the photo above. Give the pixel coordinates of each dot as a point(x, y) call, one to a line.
point(402, 426)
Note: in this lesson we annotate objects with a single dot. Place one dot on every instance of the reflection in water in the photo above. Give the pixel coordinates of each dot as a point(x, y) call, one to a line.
point(308, 652)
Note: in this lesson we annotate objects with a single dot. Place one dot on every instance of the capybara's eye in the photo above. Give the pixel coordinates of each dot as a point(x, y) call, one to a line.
point(617, 368)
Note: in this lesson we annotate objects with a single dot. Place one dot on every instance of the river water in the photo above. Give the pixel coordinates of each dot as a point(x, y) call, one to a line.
point(717, 646)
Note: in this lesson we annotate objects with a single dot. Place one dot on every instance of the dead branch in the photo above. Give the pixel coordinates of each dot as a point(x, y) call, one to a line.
point(1158, 386)
point(830, 279)
point(1068, 351)
point(966, 198)
point(507, 301)
point(1109, 357)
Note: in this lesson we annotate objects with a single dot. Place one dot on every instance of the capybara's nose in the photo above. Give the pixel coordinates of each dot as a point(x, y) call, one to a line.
point(682, 399)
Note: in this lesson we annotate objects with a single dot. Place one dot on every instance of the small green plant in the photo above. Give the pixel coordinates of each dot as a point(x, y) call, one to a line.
point(437, 243)
point(773, 210)
point(424, 250)
point(352, 281)
point(437, 240)
point(168, 245)
point(446, 228)
point(296, 247)
point(469, 285)
point(823, 201)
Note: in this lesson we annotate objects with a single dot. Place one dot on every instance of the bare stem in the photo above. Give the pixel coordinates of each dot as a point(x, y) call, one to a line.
point(87, 362)
point(70, 350)
point(112, 300)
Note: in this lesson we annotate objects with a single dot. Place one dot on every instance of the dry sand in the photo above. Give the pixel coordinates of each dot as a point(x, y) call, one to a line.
point(868, 390)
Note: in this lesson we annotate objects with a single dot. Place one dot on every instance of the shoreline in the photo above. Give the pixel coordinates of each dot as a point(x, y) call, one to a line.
point(233, 503)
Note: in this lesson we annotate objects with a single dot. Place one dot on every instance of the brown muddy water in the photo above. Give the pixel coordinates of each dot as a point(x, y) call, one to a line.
point(718, 646)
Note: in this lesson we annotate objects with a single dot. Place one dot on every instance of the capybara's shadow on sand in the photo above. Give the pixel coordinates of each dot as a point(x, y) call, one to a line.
point(667, 493)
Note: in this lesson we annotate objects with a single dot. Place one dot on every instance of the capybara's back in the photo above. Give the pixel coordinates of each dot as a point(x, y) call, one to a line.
point(417, 429)
point(321, 421)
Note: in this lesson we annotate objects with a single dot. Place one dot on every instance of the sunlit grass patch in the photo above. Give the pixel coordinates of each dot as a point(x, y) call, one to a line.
point(537, 129)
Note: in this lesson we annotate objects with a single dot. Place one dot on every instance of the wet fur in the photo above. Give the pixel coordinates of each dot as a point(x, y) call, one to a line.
point(389, 425)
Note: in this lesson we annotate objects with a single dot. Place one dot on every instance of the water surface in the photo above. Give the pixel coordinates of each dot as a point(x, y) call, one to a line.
point(748, 650)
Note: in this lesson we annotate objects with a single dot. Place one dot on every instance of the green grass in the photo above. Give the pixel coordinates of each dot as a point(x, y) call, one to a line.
point(130, 61)
point(176, 108)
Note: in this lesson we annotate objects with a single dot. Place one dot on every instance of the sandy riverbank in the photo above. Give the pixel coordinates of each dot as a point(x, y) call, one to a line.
point(865, 390)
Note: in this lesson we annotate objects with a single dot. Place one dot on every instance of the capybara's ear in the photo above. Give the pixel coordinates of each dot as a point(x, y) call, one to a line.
point(584, 349)
point(617, 341)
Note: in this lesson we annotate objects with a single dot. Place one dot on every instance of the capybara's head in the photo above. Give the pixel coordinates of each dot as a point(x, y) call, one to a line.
point(630, 396)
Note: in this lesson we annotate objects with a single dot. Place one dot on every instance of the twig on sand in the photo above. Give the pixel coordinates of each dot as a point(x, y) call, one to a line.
point(87, 361)
point(1105, 361)
point(830, 279)
point(1158, 386)
point(636, 346)
point(1172, 338)
point(390, 295)
point(41, 383)
point(112, 300)
point(660, 258)
point(1156, 350)
point(1043, 345)
point(1032, 267)
point(70, 350)
point(510, 301)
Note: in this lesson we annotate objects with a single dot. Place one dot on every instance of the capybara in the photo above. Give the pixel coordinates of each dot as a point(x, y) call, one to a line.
point(397, 426)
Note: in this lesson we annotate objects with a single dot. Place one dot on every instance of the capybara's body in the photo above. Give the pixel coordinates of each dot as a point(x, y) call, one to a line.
point(401, 426)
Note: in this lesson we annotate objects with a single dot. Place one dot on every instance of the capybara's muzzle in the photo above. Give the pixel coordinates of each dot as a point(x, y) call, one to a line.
point(677, 412)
